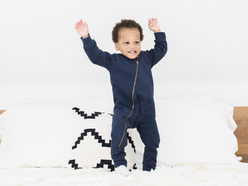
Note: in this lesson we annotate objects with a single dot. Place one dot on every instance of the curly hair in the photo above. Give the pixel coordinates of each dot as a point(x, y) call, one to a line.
point(125, 23)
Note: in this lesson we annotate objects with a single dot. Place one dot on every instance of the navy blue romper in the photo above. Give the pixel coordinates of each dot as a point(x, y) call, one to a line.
point(132, 86)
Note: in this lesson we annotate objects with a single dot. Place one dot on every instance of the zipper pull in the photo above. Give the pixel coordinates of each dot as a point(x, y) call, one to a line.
point(136, 59)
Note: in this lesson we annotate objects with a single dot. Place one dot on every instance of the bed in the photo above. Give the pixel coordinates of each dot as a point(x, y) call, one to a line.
point(241, 118)
point(180, 169)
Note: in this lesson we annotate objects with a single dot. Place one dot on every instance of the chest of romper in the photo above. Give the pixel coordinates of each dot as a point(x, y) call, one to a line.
point(126, 70)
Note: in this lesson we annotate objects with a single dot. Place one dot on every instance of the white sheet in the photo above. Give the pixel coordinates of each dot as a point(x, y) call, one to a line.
point(192, 174)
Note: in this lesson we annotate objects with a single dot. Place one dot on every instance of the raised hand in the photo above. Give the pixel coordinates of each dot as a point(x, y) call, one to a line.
point(82, 29)
point(153, 25)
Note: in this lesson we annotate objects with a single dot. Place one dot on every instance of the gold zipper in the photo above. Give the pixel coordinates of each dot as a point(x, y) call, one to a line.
point(137, 62)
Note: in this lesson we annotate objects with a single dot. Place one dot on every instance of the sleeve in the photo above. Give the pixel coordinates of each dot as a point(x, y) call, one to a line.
point(96, 55)
point(160, 48)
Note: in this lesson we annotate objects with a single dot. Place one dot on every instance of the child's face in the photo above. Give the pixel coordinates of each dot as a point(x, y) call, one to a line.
point(129, 42)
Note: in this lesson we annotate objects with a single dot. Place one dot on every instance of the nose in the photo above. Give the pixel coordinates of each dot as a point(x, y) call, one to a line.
point(132, 45)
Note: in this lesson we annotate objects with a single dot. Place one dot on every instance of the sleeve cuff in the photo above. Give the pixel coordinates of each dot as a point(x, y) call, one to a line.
point(159, 35)
point(86, 40)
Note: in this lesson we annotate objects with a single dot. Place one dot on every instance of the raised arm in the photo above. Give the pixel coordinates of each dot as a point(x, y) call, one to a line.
point(160, 48)
point(95, 55)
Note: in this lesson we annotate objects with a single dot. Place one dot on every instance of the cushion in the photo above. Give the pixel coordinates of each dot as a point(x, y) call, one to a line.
point(196, 129)
point(5, 126)
point(92, 141)
point(39, 137)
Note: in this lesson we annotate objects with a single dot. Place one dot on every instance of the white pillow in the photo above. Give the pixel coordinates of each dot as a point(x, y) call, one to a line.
point(39, 137)
point(5, 126)
point(92, 141)
point(197, 129)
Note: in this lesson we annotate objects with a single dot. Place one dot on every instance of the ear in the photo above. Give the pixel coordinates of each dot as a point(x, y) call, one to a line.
point(117, 46)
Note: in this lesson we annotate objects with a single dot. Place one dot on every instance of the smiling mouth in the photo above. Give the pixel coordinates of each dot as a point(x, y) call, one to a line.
point(132, 52)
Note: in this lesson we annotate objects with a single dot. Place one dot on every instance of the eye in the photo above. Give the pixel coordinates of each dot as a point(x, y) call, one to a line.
point(126, 43)
point(137, 42)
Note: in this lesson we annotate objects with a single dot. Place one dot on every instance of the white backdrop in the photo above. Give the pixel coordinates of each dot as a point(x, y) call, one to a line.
point(42, 59)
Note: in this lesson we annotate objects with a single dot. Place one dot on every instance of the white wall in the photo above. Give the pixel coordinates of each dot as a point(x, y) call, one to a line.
point(42, 60)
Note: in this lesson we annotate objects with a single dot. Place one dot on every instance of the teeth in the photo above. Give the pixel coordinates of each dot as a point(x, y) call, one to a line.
point(132, 52)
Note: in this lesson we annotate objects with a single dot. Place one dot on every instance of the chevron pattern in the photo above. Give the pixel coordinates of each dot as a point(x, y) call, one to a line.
point(93, 133)
point(74, 164)
point(105, 162)
point(83, 114)
point(131, 142)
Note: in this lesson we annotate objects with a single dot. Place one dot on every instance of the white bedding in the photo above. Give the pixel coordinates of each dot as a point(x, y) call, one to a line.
point(191, 130)
point(183, 174)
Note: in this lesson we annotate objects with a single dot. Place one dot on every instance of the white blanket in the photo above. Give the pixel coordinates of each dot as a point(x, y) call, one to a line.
point(183, 174)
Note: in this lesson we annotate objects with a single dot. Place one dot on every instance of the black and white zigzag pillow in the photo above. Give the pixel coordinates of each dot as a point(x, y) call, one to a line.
point(92, 141)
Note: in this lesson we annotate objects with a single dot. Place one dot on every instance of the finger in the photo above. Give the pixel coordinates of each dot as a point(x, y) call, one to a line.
point(78, 23)
point(154, 19)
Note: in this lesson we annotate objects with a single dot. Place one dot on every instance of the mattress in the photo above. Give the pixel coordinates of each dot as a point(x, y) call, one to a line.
point(192, 130)
point(191, 174)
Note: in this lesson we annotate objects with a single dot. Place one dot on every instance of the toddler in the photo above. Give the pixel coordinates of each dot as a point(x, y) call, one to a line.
point(132, 86)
